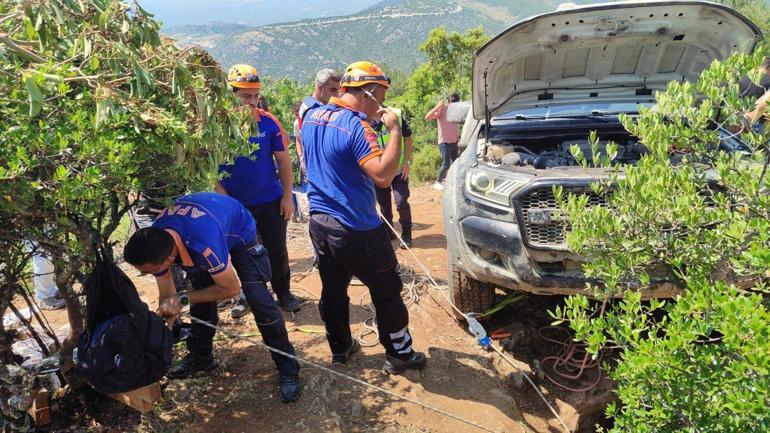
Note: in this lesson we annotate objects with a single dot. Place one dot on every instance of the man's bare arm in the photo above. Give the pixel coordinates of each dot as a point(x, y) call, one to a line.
point(382, 169)
point(284, 173)
point(226, 285)
point(433, 113)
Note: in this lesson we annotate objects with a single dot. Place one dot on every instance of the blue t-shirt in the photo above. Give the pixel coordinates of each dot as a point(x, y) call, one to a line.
point(254, 180)
point(206, 226)
point(337, 142)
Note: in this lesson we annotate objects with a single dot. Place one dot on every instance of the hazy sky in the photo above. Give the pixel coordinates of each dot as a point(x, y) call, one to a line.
point(179, 12)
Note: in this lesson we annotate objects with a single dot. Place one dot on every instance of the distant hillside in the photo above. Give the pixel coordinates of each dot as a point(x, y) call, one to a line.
point(388, 33)
point(175, 13)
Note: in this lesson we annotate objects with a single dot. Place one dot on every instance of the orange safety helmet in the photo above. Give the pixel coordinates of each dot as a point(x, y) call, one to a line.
point(362, 73)
point(244, 77)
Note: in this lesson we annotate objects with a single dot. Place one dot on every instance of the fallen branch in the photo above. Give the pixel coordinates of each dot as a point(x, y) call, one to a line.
point(30, 328)
point(44, 324)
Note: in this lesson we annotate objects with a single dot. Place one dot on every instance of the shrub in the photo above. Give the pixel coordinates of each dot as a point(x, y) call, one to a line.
point(702, 221)
point(425, 163)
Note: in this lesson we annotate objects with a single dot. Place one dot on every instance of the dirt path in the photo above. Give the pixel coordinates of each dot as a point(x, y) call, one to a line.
point(460, 377)
point(241, 396)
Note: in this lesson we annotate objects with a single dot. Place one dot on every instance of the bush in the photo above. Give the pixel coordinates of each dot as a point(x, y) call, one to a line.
point(699, 363)
point(96, 105)
point(425, 163)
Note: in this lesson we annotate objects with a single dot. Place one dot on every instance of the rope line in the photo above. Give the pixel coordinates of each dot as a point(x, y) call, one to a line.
point(342, 375)
point(470, 317)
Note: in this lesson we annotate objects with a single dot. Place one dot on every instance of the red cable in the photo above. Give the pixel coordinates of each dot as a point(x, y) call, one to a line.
point(569, 364)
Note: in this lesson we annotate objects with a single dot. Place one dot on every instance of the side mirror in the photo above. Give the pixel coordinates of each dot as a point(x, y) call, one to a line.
point(456, 112)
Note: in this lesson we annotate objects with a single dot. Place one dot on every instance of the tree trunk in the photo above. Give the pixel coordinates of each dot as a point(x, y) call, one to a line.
point(6, 336)
point(64, 280)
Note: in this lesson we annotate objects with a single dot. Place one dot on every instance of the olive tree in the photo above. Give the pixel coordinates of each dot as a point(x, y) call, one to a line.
point(96, 106)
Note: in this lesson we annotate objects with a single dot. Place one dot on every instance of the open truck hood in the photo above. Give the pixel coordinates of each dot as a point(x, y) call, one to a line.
point(604, 52)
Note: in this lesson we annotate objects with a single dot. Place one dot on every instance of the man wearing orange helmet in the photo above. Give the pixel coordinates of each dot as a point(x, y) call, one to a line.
point(253, 181)
point(344, 163)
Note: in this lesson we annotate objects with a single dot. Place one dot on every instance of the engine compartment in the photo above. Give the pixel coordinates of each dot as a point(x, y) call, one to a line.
point(542, 151)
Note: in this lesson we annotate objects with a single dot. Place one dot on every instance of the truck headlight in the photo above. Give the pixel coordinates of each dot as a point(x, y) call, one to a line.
point(493, 188)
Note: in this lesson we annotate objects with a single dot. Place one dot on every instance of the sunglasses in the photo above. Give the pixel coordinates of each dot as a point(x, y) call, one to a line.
point(367, 78)
point(251, 78)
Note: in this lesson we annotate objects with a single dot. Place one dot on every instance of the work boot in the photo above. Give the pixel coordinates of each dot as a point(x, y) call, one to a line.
point(192, 364)
point(240, 309)
point(290, 388)
point(342, 358)
point(394, 365)
point(289, 302)
point(407, 238)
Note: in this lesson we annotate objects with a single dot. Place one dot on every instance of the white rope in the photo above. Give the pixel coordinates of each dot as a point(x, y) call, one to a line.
point(410, 296)
point(471, 320)
point(531, 382)
point(342, 375)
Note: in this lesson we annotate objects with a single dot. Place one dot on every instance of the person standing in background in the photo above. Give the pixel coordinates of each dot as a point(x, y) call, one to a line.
point(399, 187)
point(44, 280)
point(448, 136)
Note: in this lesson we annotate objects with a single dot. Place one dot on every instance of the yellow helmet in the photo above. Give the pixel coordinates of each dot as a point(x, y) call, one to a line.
point(244, 77)
point(362, 73)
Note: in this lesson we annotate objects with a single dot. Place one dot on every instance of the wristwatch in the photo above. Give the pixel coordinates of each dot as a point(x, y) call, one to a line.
point(184, 299)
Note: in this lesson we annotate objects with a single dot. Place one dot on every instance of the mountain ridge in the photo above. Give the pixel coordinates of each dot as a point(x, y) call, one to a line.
point(389, 32)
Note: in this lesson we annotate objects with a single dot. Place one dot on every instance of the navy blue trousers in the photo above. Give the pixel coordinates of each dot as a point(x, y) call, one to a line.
point(253, 269)
point(368, 255)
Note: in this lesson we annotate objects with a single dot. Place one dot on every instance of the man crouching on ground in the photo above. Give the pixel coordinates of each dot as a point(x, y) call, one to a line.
point(212, 237)
point(344, 163)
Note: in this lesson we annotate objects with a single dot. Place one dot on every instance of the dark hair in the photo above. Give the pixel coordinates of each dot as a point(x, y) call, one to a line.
point(148, 245)
point(765, 63)
point(454, 97)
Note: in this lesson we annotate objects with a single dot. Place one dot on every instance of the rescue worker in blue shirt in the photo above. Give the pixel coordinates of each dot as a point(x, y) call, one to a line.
point(344, 163)
point(253, 181)
point(213, 238)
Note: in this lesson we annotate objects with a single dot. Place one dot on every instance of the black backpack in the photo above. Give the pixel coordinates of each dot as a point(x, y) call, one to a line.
point(125, 346)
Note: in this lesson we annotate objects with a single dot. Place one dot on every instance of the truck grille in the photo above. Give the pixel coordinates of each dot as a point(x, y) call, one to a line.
point(542, 225)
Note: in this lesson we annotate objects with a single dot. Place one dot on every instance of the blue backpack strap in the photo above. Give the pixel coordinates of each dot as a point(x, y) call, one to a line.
point(309, 104)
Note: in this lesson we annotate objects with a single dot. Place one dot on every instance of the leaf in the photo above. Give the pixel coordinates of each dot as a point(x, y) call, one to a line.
point(58, 12)
point(35, 96)
point(39, 22)
point(86, 47)
point(149, 119)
